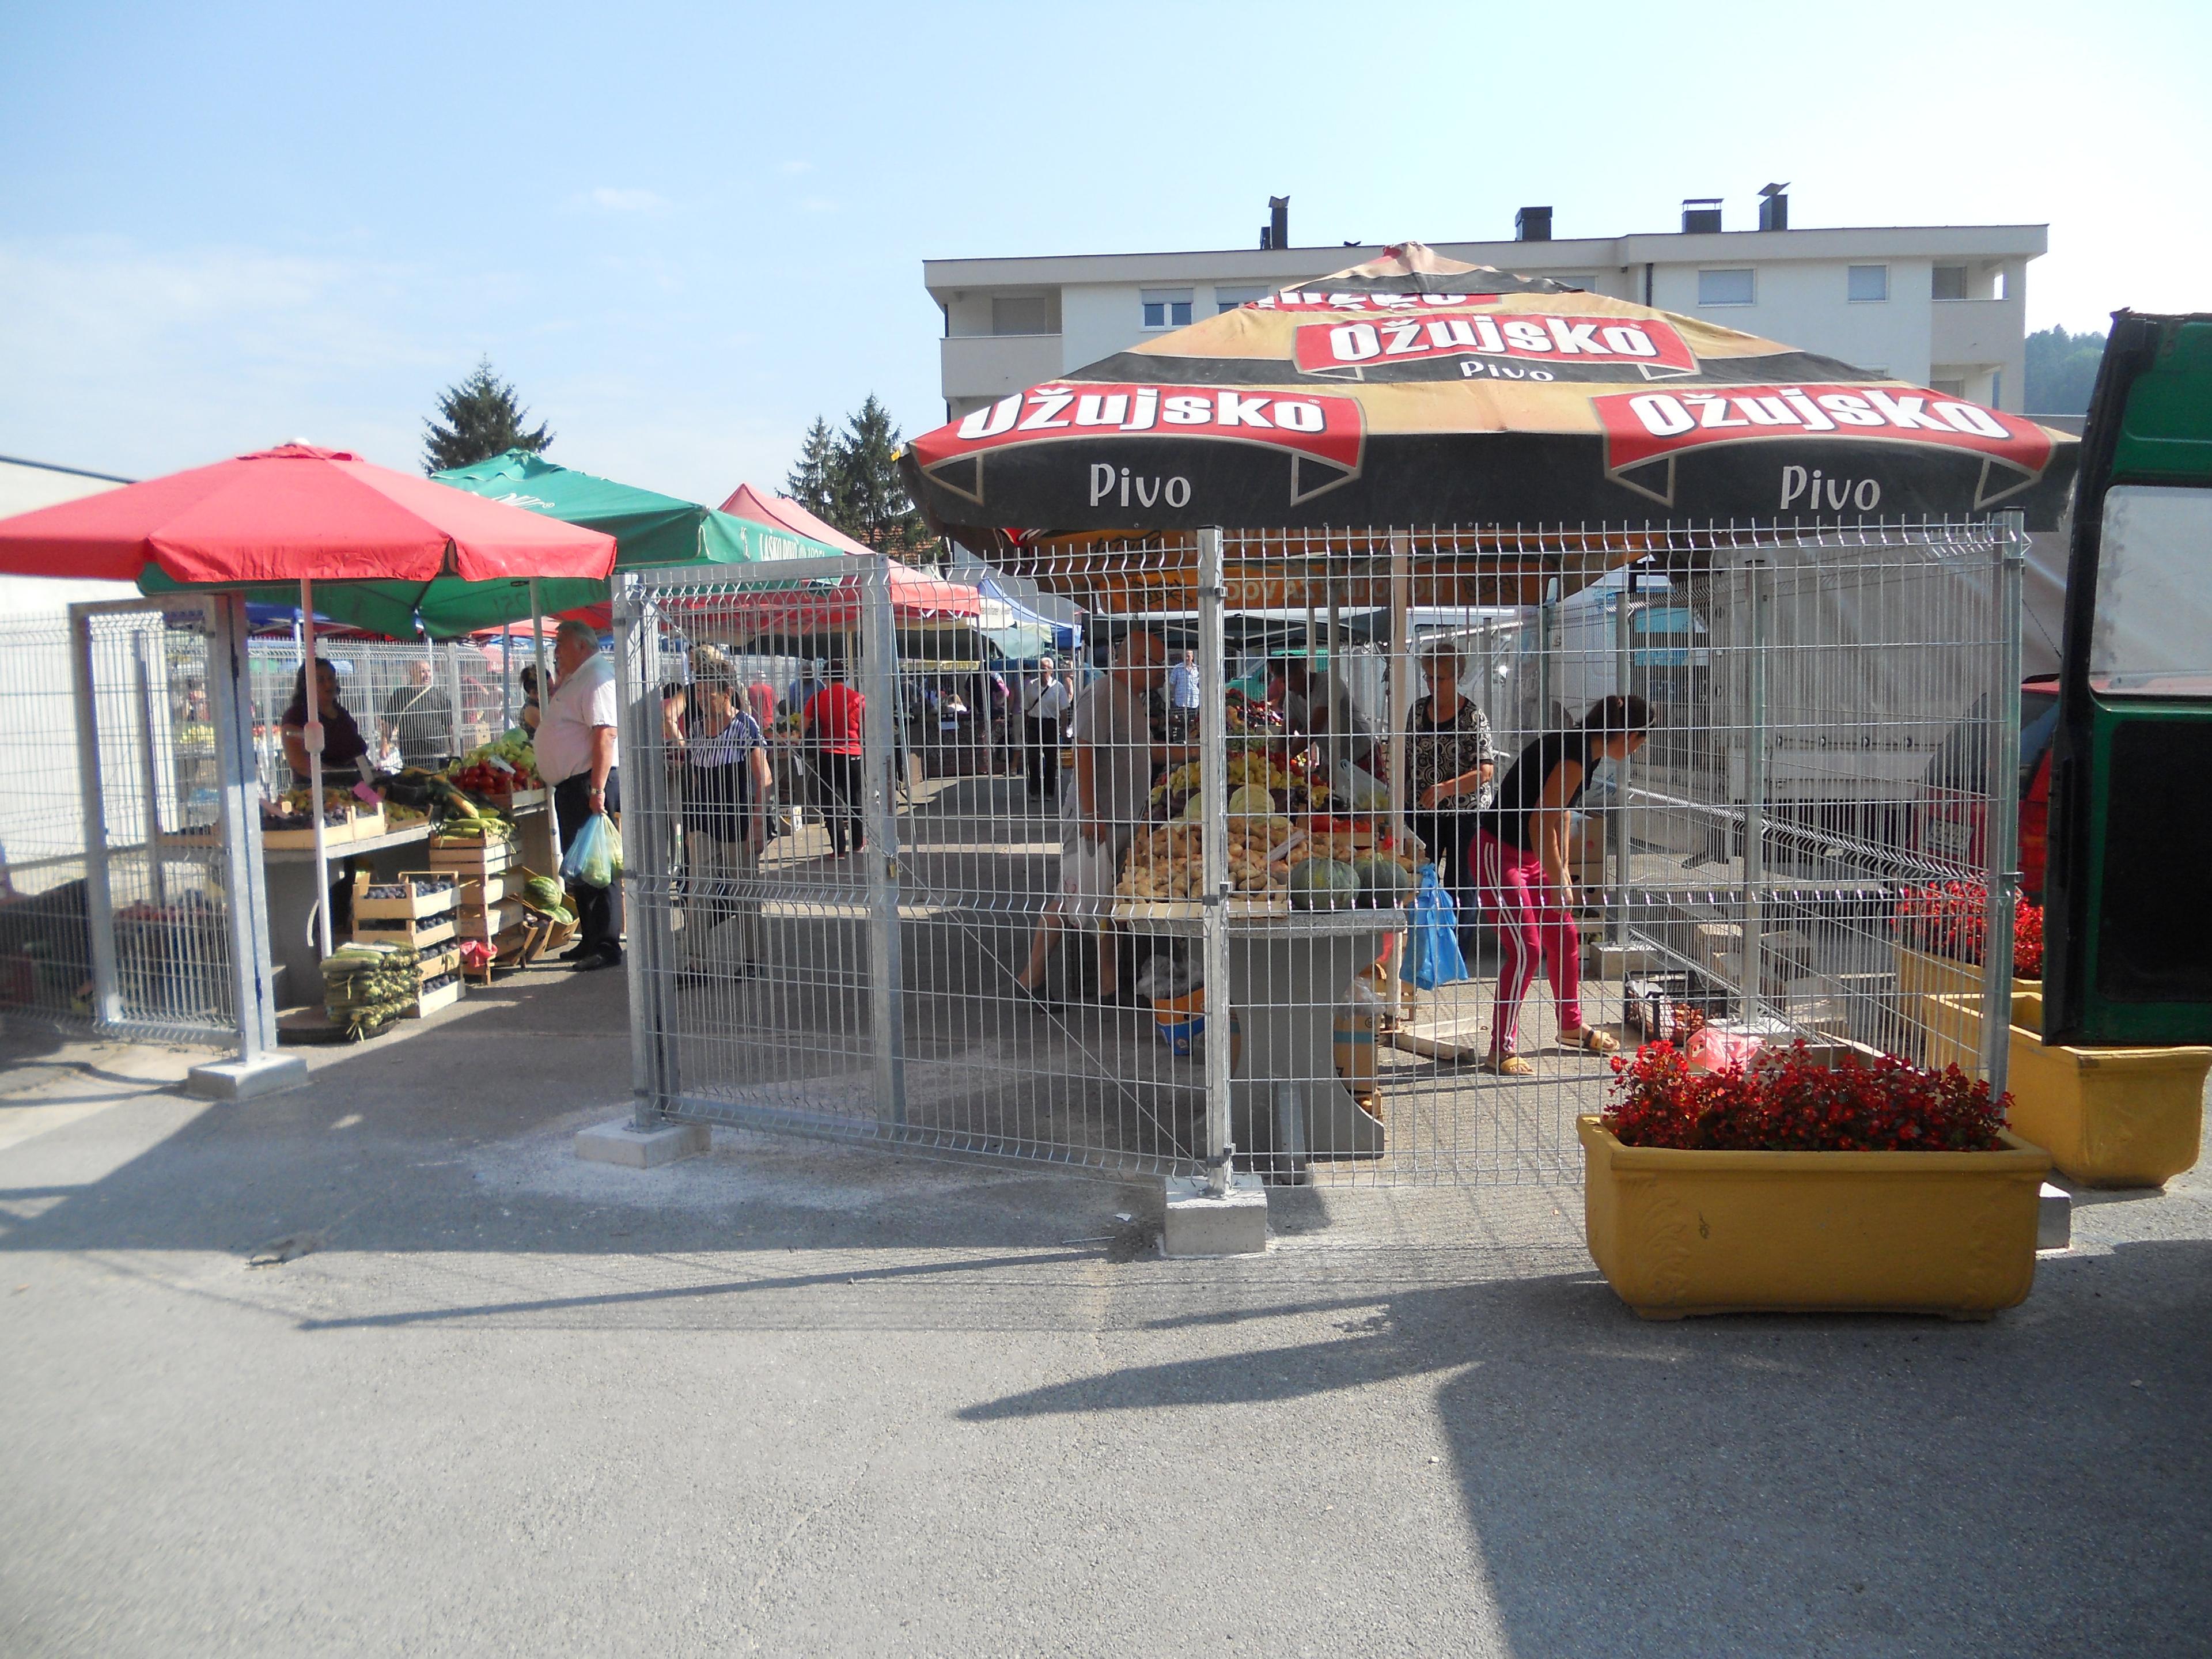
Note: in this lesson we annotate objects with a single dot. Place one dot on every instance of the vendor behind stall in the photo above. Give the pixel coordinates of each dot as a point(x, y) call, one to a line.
point(417, 718)
point(342, 744)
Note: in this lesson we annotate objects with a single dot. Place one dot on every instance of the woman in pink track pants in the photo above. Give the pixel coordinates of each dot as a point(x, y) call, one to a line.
point(1519, 866)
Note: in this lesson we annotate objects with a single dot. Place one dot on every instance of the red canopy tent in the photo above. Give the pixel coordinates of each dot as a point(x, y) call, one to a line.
point(296, 513)
point(833, 606)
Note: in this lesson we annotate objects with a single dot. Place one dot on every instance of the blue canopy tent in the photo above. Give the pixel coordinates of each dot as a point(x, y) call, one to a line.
point(1017, 632)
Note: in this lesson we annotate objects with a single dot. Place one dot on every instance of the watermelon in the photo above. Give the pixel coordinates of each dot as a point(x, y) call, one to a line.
point(1383, 882)
point(1323, 885)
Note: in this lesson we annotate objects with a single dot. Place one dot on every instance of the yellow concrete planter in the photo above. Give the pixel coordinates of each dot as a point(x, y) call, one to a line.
point(1947, 1034)
point(2112, 1117)
point(1680, 1232)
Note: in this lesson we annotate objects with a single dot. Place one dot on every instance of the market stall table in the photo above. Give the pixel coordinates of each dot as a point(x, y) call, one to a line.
point(294, 949)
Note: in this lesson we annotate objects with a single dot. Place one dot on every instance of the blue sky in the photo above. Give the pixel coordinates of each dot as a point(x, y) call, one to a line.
point(684, 230)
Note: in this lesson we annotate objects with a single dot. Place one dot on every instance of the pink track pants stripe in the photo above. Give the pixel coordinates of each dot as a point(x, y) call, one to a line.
point(1534, 929)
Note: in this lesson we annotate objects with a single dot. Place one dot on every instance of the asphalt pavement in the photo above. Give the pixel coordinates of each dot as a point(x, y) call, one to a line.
point(378, 1367)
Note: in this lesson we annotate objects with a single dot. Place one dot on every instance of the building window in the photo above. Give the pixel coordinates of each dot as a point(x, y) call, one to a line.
point(1166, 308)
point(1727, 288)
point(1024, 313)
point(1227, 299)
point(1950, 282)
point(1866, 283)
point(1948, 388)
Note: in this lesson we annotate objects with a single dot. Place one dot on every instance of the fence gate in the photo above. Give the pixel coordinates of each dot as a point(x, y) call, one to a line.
point(154, 901)
point(923, 957)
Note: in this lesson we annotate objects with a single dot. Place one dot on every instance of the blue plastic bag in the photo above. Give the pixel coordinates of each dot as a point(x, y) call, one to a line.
point(1432, 940)
point(595, 859)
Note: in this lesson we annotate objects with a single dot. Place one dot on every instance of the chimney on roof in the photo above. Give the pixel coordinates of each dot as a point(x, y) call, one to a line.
point(1533, 224)
point(1276, 233)
point(1774, 207)
point(1701, 216)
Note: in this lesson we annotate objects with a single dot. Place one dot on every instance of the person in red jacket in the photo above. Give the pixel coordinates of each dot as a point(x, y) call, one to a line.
point(830, 725)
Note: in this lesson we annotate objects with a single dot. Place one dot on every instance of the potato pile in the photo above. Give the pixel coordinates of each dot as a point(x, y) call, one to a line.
point(1166, 860)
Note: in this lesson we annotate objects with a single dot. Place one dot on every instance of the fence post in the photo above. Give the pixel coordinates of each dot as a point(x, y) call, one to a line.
point(1625, 662)
point(880, 686)
point(2001, 834)
point(1753, 954)
point(146, 720)
point(1213, 790)
point(259, 1068)
point(1403, 670)
point(99, 891)
point(654, 1080)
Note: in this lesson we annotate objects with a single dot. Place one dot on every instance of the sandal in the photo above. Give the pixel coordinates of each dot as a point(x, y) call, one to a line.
point(1508, 1066)
point(1590, 1041)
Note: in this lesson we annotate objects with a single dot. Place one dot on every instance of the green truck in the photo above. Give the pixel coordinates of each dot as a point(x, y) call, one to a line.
point(2128, 918)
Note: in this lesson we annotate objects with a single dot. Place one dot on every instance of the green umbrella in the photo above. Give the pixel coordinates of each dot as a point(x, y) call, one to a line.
point(651, 530)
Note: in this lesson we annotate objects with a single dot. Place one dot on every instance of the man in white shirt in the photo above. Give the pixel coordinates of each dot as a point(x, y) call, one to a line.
point(1044, 704)
point(1182, 696)
point(576, 756)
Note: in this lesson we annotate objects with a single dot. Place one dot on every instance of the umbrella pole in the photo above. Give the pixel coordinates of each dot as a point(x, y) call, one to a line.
point(313, 737)
point(544, 704)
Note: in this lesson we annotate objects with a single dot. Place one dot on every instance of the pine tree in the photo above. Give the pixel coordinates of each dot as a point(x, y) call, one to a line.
point(812, 482)
point(478, 418)
point(872, 504)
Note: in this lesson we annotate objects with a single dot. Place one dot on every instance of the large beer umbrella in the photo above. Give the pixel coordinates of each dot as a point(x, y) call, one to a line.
point(1418, 391)
point(319, 525)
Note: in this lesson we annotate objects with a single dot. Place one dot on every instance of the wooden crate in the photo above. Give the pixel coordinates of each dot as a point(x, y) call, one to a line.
point(489, 921)
point(431, 1000)
point(480, 891)
point(437, 962)
point(420, 933)
point(408, 895)
point(474, 859)
point(365, 823)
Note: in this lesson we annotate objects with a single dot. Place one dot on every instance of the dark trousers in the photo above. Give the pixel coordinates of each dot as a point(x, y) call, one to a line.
point(598, 910)
point(1044, 757)
point(841, 779)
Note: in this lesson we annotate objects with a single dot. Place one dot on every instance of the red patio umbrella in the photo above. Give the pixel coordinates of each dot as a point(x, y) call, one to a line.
point(295, 513)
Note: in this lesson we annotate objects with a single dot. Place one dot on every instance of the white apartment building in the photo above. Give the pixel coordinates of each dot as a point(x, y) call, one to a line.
point(1940, 305)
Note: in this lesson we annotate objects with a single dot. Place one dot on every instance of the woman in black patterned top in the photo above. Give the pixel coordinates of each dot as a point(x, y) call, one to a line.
point(1450, 772)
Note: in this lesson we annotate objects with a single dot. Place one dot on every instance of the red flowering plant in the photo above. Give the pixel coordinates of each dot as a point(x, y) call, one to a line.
point(1949, 919)
point(1786, 1101)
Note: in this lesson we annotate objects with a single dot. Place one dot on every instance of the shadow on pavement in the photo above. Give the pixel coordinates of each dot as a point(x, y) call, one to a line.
point(1767, 1486)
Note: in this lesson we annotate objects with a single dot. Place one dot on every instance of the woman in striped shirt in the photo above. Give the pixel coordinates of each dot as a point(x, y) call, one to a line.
point(726, 787)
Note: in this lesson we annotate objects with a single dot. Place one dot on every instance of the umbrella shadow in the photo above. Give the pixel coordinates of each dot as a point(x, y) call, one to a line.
point(1779, 1484)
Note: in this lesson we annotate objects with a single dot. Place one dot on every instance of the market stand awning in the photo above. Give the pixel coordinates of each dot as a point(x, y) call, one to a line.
point(806, 609)
point(832, 605)
point(1418, 391)
point(650, 530)
point(813, 536)
point(377, 544)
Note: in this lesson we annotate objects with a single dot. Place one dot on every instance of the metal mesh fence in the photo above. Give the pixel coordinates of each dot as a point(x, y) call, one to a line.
point(416, 705)
point(966, 904)
point(45, 960)
point(145, 762)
